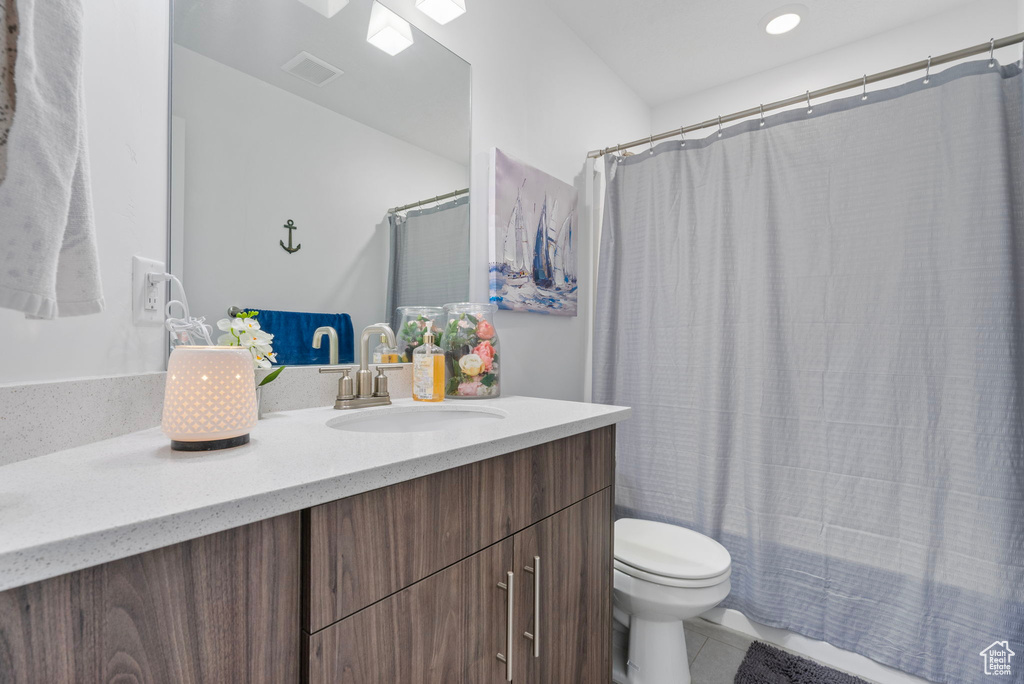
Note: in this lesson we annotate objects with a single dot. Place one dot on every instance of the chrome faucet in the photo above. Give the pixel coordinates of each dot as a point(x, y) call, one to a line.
point(372, 391)
point(332, 337)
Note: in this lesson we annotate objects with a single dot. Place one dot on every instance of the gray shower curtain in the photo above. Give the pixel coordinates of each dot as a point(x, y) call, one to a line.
point(429, 257)
point(818, 323)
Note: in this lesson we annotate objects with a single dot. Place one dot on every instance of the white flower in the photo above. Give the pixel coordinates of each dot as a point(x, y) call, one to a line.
point(255, 338)
point(471, 364)
point(259, 359)
point(245, 332)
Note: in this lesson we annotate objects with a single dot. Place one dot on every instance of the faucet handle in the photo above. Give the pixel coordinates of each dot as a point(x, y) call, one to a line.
point(345, 386)
point(380, 382)
point(338, 369)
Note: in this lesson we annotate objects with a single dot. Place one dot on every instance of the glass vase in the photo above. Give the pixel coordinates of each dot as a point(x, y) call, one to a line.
point(471, 350)
point(416, 320)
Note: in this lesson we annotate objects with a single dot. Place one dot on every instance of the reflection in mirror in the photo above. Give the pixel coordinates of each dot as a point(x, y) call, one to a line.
point(313, 173)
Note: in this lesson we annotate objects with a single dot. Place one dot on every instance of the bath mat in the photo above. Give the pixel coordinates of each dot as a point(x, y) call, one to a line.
point(764, 664)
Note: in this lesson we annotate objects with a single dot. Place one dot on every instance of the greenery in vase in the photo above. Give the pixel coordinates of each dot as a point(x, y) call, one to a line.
point(470, 357)
point(410, 336)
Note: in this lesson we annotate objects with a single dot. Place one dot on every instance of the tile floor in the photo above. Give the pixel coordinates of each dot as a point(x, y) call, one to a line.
point(715, 652)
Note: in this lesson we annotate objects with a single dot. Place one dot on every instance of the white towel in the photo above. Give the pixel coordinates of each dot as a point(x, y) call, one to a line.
point(49, 263)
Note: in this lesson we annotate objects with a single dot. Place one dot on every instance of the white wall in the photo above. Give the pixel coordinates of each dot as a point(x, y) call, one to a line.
point(256, 156)
point(125, 64)
point(540, 94)
point(969, 24)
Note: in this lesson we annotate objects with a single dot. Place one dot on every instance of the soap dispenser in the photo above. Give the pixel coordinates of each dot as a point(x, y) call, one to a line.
point(383, 353)
point(428, 370)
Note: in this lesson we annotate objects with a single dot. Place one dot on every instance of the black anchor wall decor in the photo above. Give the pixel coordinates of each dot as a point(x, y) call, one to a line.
point(288, 248)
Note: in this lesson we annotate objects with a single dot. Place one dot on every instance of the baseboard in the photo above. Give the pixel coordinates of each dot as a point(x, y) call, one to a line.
point(821, 651)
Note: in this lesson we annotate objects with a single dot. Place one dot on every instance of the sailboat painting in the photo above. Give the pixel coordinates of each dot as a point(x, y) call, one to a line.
point(533, 234)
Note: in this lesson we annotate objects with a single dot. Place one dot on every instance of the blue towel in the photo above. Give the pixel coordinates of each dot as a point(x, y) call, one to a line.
point(293, 336)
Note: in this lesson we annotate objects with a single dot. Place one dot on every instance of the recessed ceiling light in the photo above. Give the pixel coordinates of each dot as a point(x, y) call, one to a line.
point(442, 11)
point(388, 31)
point(784, 23)
point(783, 20)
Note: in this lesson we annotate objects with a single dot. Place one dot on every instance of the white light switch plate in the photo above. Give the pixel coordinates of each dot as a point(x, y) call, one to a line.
point(147, 300)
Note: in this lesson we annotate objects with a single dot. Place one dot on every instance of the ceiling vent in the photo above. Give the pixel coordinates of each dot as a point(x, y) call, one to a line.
point(311, 69)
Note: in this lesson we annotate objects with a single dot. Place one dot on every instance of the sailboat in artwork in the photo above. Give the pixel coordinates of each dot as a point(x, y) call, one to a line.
point(564, 259)
point(516, 263)
point(543, 272)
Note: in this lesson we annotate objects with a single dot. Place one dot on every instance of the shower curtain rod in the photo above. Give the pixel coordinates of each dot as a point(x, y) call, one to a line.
point(990, 47)
point(395, 210)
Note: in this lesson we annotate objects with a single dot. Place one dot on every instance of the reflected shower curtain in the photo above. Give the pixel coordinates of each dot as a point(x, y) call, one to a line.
point(818, 323)
point(429, 257)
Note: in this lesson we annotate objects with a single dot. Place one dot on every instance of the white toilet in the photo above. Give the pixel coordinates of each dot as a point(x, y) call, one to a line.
point(664, 574)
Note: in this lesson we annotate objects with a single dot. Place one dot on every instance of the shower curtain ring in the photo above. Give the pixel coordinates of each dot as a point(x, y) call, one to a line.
point(928, 71)
point(652, 144)
point(682, 134)
point(719, 125)
point(865, 95)
point(761, 107)
point(991, 53)
point(809, 108)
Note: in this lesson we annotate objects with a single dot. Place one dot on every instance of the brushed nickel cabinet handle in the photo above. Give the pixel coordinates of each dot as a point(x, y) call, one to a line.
point(535, 637)
point(509, 587)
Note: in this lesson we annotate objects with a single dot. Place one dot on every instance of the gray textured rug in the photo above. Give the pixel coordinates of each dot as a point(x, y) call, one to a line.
point(766, 665)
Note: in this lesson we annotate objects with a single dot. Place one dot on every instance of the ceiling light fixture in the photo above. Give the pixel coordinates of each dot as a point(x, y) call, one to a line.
point(328, 8)
point(783, 20)
point(388, 31)
point(442, 11)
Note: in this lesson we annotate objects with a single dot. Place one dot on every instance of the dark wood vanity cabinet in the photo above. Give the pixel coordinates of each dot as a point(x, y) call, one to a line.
point(408, 584)
point(404, 581)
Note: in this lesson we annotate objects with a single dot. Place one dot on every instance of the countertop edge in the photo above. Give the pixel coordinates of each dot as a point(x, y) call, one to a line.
point(84, 551)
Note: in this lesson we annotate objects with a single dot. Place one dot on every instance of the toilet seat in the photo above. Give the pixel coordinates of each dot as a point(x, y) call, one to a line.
point(671, 581)
point(669, 555)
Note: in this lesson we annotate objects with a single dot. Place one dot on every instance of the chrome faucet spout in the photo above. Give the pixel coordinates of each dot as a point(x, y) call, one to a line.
point(364, 378)
point(332, 337)
point(364, 342)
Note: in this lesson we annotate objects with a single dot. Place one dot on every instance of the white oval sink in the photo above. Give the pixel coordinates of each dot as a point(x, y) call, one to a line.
point(418, 419)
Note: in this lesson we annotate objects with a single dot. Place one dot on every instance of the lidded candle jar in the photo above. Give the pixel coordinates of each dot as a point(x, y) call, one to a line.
point(415, 321)
point(471, 350)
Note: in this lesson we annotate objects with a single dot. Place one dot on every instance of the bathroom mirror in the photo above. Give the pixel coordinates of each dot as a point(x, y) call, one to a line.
point(293, 139)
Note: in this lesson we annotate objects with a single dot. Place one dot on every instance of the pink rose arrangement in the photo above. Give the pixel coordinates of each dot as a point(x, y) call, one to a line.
point(484, 330)
point(471, 357)
point(485, 350)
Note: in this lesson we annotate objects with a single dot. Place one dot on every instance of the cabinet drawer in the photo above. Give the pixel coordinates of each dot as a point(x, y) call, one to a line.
point(366, 547)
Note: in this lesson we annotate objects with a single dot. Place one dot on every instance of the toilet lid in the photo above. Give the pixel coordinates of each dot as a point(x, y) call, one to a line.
point(669, 550)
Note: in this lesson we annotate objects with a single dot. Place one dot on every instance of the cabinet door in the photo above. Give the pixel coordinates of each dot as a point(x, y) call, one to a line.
point(445, 629)
point(564, 601)
point(221, 608)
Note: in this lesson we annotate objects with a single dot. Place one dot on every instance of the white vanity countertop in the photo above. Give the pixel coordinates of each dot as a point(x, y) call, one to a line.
point(96, 503)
